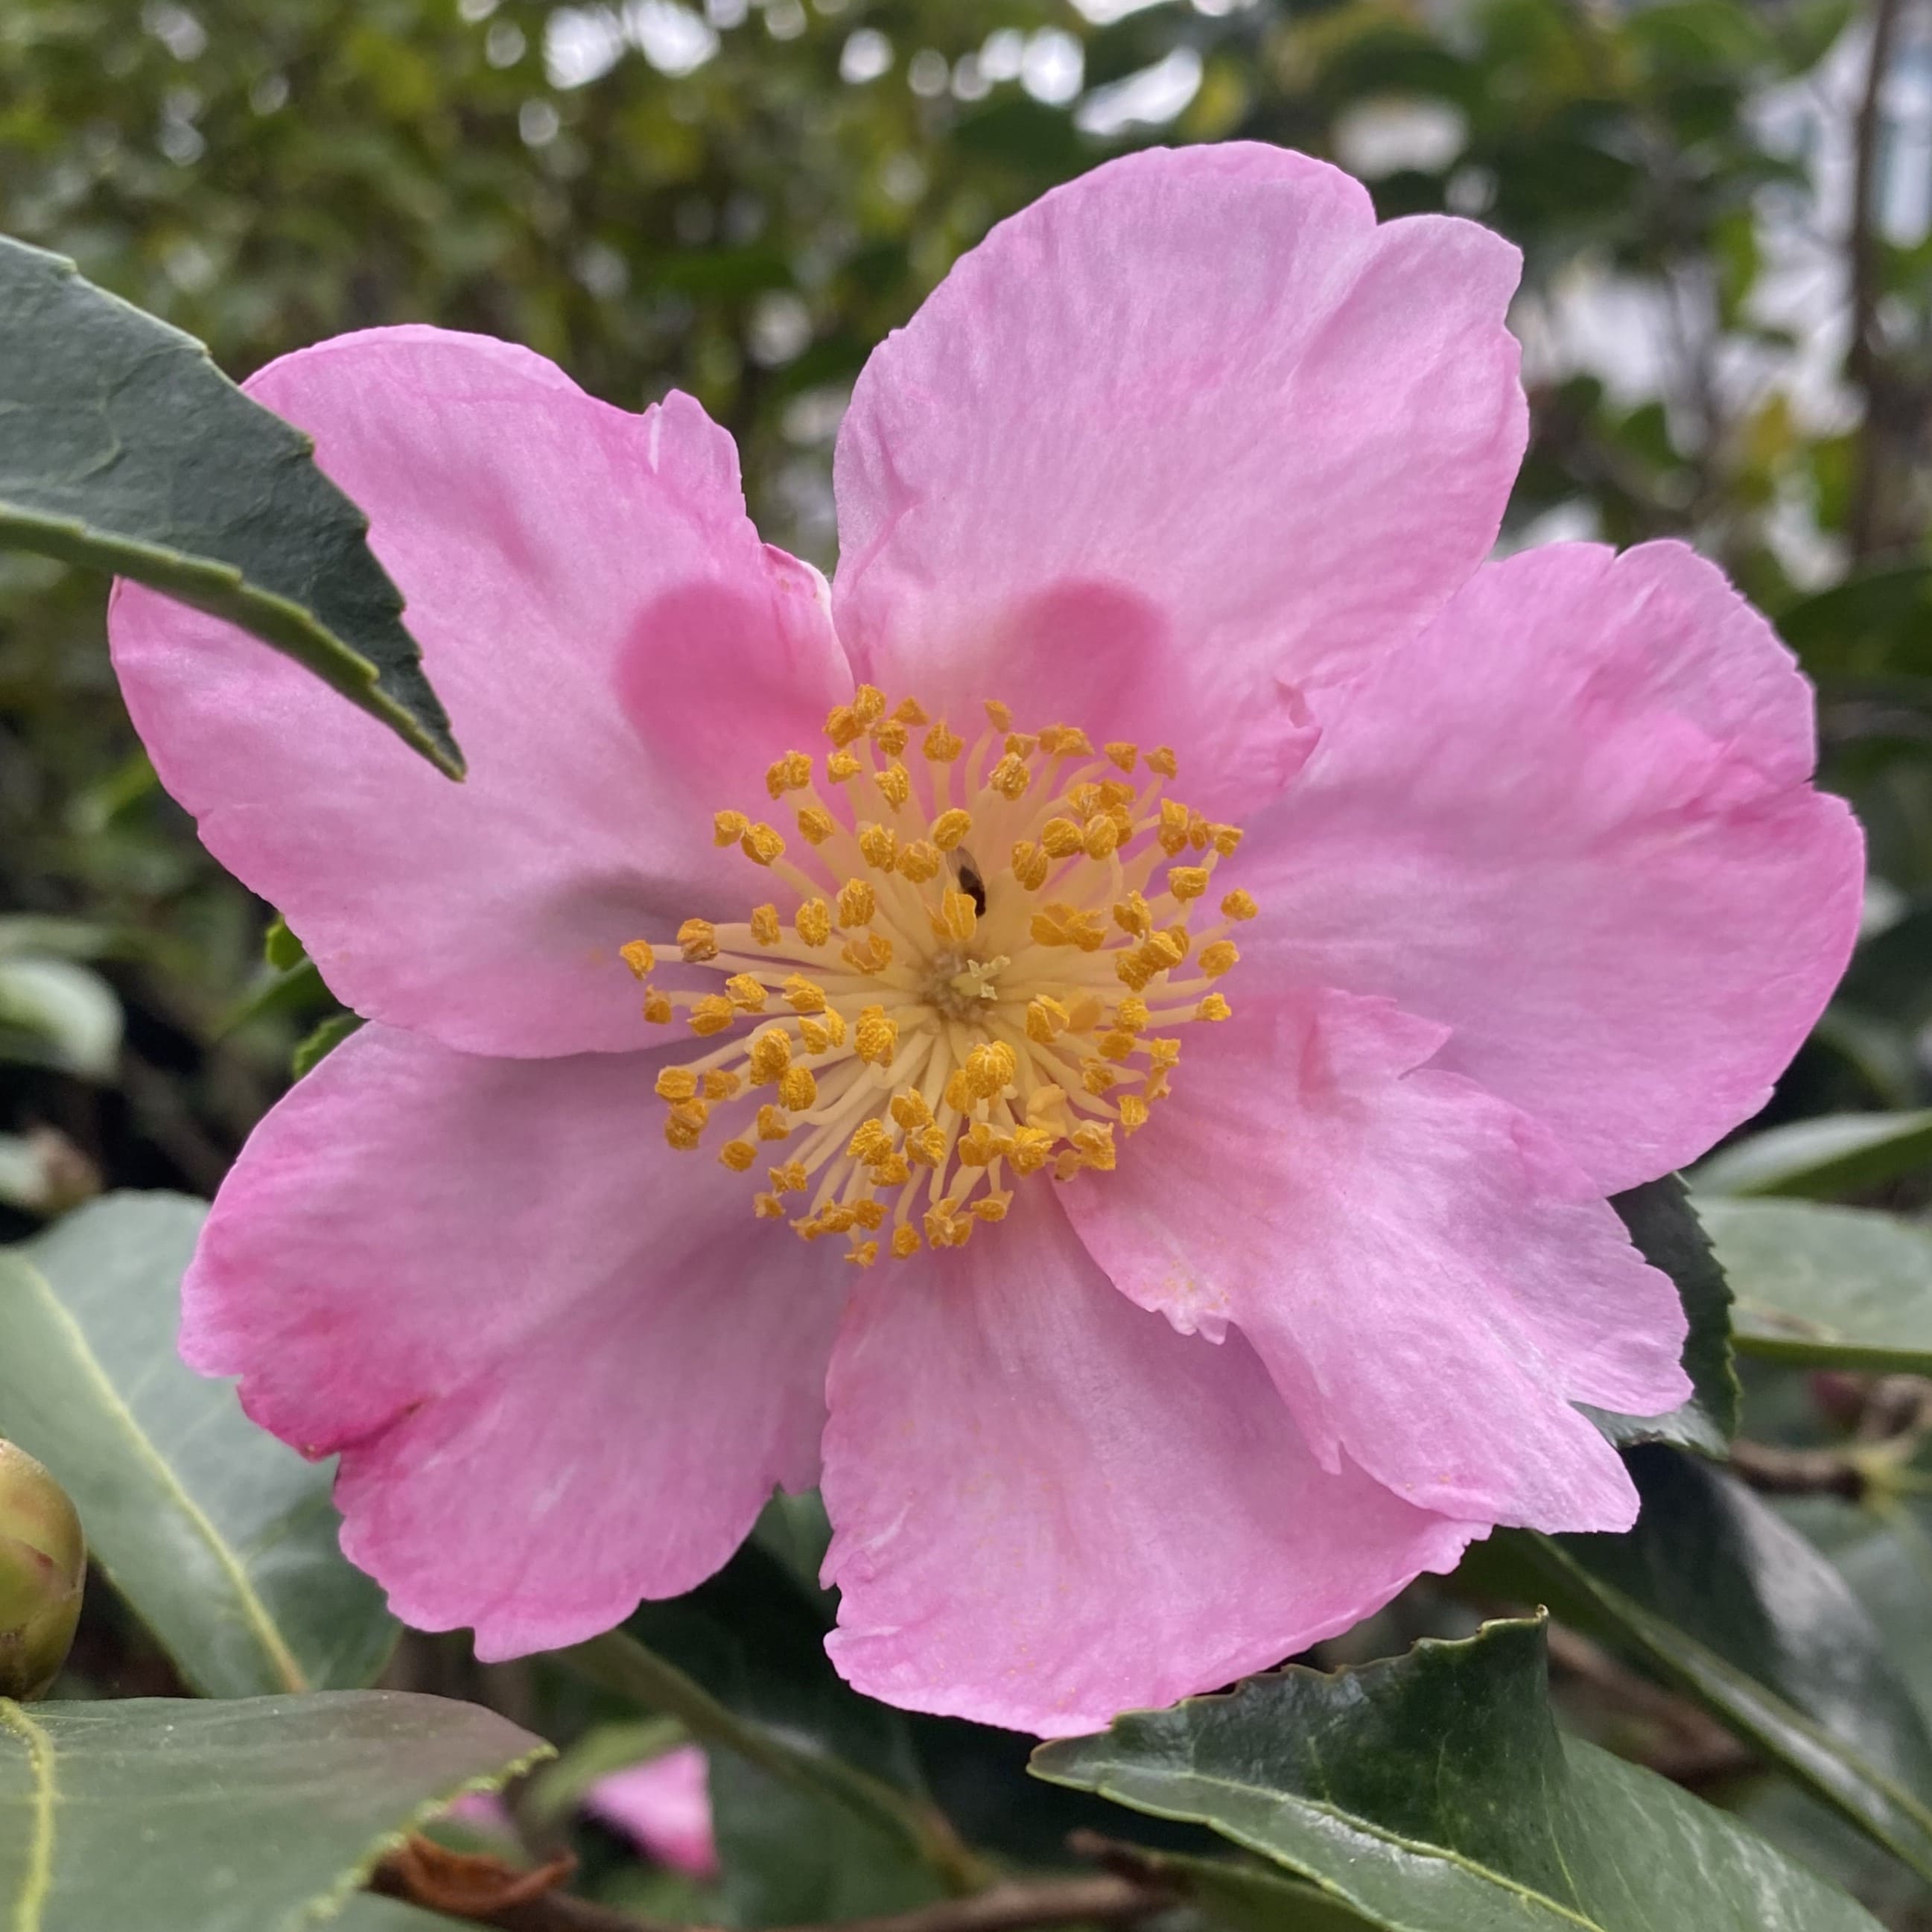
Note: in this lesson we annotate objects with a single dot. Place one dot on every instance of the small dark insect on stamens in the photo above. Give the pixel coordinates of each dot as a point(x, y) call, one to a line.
point(971, 882)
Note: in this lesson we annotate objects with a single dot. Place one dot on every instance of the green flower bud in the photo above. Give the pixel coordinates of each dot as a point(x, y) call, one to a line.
point(42, 1571)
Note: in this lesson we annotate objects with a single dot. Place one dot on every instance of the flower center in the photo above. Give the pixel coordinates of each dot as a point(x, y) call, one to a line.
point(976, 978)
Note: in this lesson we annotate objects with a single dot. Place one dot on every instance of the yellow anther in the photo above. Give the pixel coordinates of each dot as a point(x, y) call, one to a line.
point(895, 782)
point(765, 927)
point(1118, 1046)
point(909, 712)
point(992, 1207)
point(1085, 798)
point(1061, 837)
point(803, 995)
point(1173, 831)
point(872, 952)
point(1031, 864)
point(1164, 1053)
point(875, 1039)
point(1131, 914)
point(950, 827)
point(772, 1125)
point(1093, 1141)
point(1046, 1109)
point(926, 1145)
point(1181, 939)
point(1220, 958)
point(762, 845)
point(909, 1110)
point(919, 860)
point(1002, 717)
point(1029, 1148)
point(1010, 778)
point(958, 1095)
point(1213, 1007)
point(1097, 1077)
point(728, 827)
point(990, 1069)
point(1186, 882)
point(1200, 833)
point(868, 1213)
point(797, 1089)
point(790, 1179)
point(792, 772)
point(1058, 925)
point(905, 1240)
point(1046, 1019)
point(842, 766)
point(843, 724)
point(685, 1124)
point(891, 737)
point(870, 1141)
point(1224, 838)
point(711, 1014)
point(1238, 905)
point(1103, 835)
point(768, 1055)
point(1130, 1015)
point(639, 955)
point(675, 1083)
point(720, 1084)
point(822, 1034)
point(1133, 1111)
point(957, 916)
point(865, 1254)
point(1066, 741)
point(745, 993)
point(879, 846)
point(657, 1006)
point(1021, 744)
point(812, 922)
point(697, 941)
point(768, 1207)
point(738, 1156)
point(980, 1146)
point(868, 704)
point(941, 746)
point(815, 824)
point(857, 903)
point(1123, 754)
point(894, 1170)
point(1161, 759)
point(1166, 950)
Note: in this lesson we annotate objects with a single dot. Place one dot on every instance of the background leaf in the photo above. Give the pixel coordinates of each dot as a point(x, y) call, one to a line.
point(223, 1539)
point(252, 1815)
point(1842, 1287)
point(128, 449)
point(1835, 1154)
point(1433, 1793)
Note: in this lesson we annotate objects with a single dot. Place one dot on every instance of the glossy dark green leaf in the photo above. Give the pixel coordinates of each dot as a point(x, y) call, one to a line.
point(223, 1539)
point(126, 448)
point(1433, 1793)
point(1834, 1287)
point(1667, 1232)
point(1821, 1159)
point(258, 1815)
point(1716, 1594)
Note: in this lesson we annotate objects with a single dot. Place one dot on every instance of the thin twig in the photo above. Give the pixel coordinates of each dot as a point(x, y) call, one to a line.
point(1774, 1471)
point(1865, 358)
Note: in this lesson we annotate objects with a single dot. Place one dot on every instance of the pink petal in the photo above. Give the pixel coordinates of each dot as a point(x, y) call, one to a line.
point(564, 1366)
point(1185, 431)
point(1050, 1508)
point(663, 1807)
point(620, 655)
point(1429, 1280)
point(1572, 822)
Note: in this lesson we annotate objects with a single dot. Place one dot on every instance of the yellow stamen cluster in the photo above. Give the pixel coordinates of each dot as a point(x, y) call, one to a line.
point(981, 976)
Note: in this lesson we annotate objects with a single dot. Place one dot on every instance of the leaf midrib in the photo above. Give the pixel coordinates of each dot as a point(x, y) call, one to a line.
point(254, 1611)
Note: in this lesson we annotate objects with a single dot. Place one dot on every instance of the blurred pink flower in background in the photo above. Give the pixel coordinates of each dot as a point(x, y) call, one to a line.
point(663, 1806)
point(1216, 1065)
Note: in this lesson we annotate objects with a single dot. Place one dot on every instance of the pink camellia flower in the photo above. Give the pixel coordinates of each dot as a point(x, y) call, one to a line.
point(663, 1806)
point(1130, 1115)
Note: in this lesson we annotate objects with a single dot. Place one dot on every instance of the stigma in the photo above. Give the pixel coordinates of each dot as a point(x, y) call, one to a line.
point(975, 968)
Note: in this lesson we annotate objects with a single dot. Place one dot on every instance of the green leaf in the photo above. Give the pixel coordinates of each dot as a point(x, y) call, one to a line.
point(315, 1047)
point(54, 1012)
point(1667, 1232)
point(1833, 1154)
point(1843, 1288)
point(1717, 1596)
point(366, 1913)
point(261, 1815)
point(223, 1539)
point(1431, 1793)
point(127, 449)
